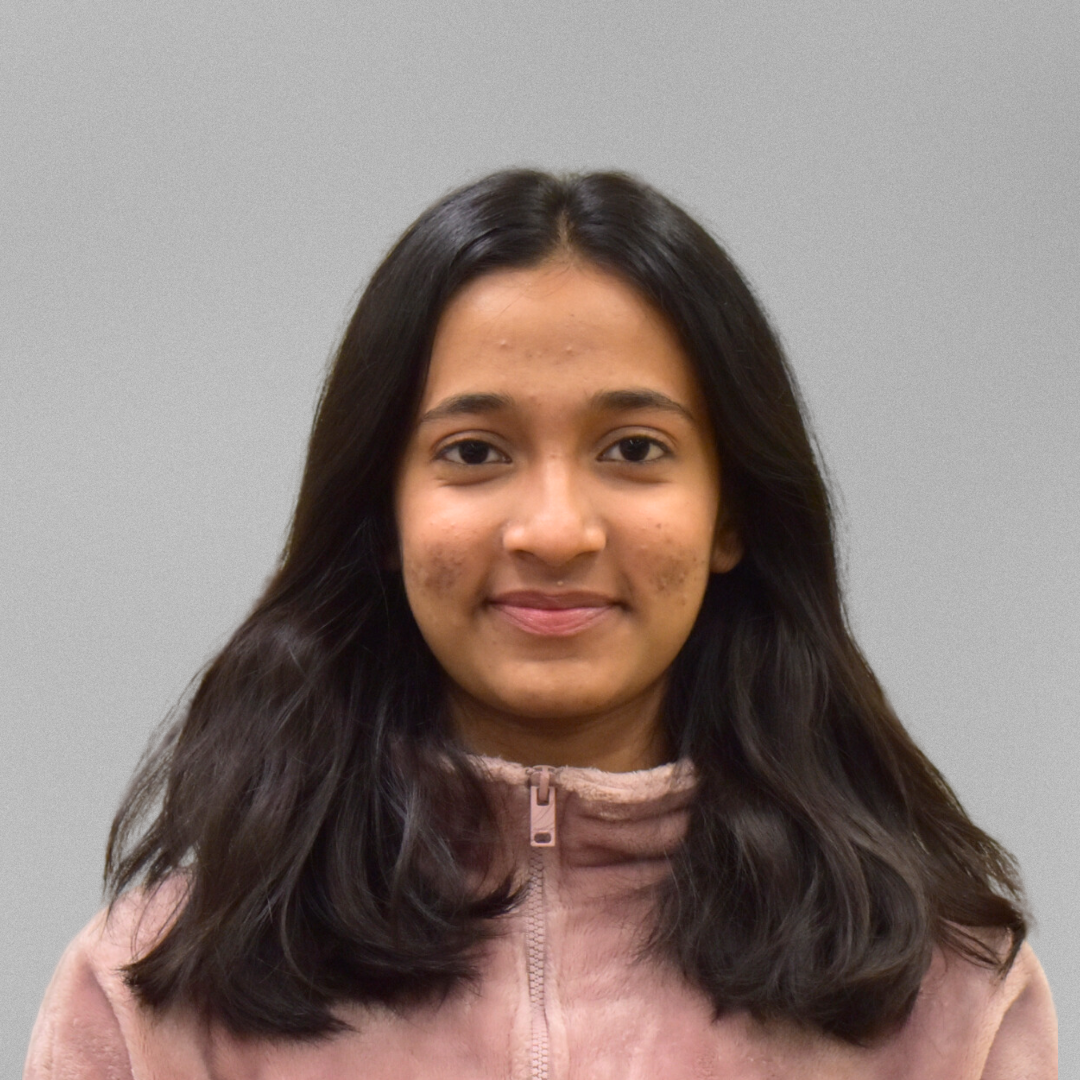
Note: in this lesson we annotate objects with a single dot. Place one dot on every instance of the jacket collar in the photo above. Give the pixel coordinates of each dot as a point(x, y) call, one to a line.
point(601, 818)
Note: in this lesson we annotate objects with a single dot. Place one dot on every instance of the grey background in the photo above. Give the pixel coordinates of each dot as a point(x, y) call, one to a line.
point(193, 194)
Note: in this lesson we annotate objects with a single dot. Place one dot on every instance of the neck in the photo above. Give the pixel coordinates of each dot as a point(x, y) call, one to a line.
point(623, 739)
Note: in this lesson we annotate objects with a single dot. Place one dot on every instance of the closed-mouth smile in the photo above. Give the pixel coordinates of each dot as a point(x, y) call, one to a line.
point(553, 614)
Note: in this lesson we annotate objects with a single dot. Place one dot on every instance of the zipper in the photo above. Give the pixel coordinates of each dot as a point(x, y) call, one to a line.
point(541, 835)
point(541, 808)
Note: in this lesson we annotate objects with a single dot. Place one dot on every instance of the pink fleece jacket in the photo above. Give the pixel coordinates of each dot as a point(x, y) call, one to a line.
point(562, 995)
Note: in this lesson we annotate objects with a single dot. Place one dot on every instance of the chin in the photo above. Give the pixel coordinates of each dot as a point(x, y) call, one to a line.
point(554, 708)
point(560, 703)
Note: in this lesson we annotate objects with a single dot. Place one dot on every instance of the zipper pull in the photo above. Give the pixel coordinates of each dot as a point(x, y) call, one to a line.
point(541, 808)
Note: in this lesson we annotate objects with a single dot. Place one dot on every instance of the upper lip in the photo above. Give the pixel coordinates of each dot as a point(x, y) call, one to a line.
point(537, 598)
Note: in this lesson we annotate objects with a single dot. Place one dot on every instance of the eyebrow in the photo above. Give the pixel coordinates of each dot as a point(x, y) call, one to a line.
point(608, 400)
point(467, 405)
point(629, 400)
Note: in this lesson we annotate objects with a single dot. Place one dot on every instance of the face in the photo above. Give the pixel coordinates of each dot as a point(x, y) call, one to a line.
point(559, 502)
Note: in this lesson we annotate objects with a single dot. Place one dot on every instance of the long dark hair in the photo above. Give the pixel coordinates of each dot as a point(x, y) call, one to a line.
point(301, 796)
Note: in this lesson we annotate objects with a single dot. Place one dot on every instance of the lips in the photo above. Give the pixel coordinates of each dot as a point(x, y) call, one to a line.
point(553, 614)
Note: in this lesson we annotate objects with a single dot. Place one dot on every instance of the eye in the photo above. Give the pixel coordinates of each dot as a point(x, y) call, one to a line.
point(472, 452)
point(636, 449)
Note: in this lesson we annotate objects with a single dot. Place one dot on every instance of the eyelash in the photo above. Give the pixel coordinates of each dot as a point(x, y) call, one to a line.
point(444, 453)
point(665, 451)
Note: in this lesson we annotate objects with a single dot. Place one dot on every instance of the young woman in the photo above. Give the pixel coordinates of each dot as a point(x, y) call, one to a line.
point(547, 751)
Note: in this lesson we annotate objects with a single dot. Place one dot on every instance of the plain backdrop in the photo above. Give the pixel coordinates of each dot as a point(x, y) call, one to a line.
point(193, 194)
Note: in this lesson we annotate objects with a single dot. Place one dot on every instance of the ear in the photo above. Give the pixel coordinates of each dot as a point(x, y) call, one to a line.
point(727, 549)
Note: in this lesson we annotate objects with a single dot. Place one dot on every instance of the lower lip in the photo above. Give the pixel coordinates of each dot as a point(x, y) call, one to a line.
point(553, 622)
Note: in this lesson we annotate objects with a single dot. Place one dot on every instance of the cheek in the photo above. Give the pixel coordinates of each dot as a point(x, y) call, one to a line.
point(672, 572)
point(431, 547)
point(675, 568)
point(434, 569)
point(678, 577)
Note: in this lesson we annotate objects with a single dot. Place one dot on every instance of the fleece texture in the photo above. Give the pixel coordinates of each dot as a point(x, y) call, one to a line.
point(564, 994)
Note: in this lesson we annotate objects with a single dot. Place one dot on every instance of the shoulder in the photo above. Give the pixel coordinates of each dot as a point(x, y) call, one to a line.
point(955, 982)
point(1024, 1023)
point(1001, 1027)
point(126, 930)
point(88, 1014)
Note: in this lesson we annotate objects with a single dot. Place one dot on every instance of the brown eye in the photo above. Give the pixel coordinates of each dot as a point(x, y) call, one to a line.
point(636, 449)
point(472, 452)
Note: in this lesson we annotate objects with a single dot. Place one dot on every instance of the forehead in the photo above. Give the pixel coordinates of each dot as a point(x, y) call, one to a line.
point(558, 329)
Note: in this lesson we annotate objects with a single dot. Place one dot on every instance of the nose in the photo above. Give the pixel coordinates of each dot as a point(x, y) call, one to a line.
point(554, 521)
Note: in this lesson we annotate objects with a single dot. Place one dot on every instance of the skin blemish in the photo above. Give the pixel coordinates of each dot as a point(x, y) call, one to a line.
point(672, 572)
point(439, 571)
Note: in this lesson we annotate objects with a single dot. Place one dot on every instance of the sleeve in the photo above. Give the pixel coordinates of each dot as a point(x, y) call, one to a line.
point(1025, 1046)
point(77, 1035)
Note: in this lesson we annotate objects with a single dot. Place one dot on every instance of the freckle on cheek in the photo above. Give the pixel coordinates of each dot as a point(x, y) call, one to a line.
point(675, 566)
point(671, 572)
point(437, 571)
